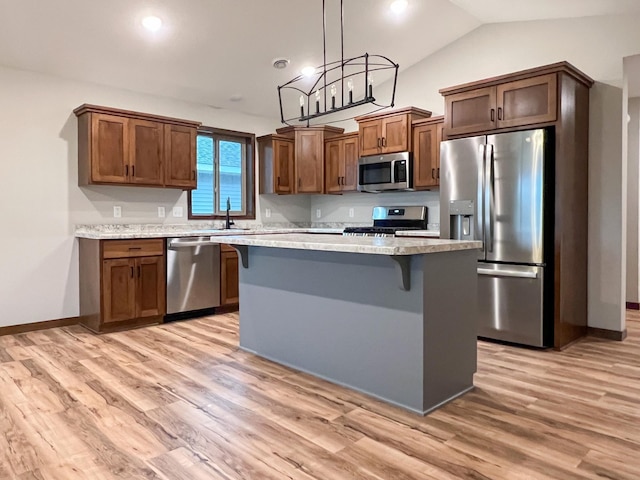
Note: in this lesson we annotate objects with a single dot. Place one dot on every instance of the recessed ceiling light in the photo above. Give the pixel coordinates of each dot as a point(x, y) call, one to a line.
point(152, 23)
point(399, 6)
point(308, 71)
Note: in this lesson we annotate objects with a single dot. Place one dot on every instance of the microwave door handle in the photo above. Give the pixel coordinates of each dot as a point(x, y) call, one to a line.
point(393, 171)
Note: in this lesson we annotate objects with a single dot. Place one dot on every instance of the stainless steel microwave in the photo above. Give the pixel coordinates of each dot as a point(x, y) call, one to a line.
point(377, 173)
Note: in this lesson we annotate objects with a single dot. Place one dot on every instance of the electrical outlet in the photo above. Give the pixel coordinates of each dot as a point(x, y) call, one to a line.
point(161, 212)
point(318, 213)
point(351, 213)
point(267, 213)
point(177, 211)
point(117, 211)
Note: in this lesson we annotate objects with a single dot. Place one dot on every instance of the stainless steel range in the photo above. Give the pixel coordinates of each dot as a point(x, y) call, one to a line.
point(388, 220)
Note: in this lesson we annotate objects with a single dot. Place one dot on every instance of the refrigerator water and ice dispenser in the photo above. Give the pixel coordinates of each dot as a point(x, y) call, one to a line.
point(461, 219)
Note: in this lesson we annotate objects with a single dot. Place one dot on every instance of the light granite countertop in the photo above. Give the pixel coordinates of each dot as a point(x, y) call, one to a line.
point(350, 244)
point(171, 231)
point(418, 233)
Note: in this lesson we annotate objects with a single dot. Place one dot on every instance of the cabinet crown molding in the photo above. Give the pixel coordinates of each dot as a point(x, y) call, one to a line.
point(397, 111)
point(87, 108)
point(565, 67)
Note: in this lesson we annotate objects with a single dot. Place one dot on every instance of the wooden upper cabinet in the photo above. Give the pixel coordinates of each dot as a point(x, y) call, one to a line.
point(528, 101)
point(341, 163)
point(370, 137)
point(427, 135)
point(388, 132)
point(276, 164)
point(107, 136)
point(521, 99)
point(180, 156)
point(470, 112)
point(145, 152)
point(309, 162)
point(121, 147)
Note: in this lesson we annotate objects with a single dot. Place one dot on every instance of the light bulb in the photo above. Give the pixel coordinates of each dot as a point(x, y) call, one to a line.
point(350, 85)
point(370, 79)
point(334, 90)
point(301, 100)
point(317, 95)
point(152, 23)
point(399, 6)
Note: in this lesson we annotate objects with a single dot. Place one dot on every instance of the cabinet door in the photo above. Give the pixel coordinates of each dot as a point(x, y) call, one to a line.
point(109, 148)
point(350, 173)
point(150, 286)
point(309, 162)
point(283, 151)
point(471, 112)
point(425, 155)
point(119, 289)
point(334, 158)
point(180, 156)
point(394, 134)
point(528, 101)
point(370, 137)
point(145, 152)
point(230, 288)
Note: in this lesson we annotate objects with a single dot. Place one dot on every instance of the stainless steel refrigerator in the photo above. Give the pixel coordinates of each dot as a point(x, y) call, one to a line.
point(498, 189)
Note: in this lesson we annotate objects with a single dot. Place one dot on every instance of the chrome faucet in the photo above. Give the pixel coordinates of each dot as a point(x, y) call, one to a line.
point(229, 222)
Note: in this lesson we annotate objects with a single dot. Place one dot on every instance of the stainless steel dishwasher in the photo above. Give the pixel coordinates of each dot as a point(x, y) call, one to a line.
point(193, 276)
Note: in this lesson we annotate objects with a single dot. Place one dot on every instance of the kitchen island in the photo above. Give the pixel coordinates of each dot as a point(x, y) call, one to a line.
point(391, 317)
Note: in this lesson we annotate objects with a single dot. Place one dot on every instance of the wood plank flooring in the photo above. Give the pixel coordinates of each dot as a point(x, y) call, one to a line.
point(180, 401)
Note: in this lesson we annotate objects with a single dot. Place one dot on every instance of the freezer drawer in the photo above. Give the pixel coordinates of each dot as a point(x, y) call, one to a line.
point(510, 303)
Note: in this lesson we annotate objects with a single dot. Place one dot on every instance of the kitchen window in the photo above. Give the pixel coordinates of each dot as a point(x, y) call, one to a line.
point(225, 174)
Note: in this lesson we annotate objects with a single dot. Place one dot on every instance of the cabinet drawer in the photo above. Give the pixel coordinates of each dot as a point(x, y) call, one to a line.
point(227, 248)
point(132, 248)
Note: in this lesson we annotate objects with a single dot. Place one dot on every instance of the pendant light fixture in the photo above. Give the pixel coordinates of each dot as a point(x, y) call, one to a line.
point(336, 86)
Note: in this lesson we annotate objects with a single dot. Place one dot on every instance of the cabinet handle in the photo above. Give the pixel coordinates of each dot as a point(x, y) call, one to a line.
point(126, 170)
point(133, 170)
point(135, 248)
point(339, 179)
point(342, 181)
point(384, 141)
point(499, 113)
point(433, 173)
point(438, 173)
point(493, 114)
point(193, 174)
point(138, 271)
point(299, 182)
point(131, 271)
point(379, 142)
point(278, 182)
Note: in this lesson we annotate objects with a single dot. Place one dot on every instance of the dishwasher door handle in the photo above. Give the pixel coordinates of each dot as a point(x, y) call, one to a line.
point(173, 245)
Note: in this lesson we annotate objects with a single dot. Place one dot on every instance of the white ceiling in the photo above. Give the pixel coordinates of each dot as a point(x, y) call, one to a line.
point(211, 50)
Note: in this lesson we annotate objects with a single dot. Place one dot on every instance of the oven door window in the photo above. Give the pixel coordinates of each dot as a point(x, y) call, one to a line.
point(375, 173)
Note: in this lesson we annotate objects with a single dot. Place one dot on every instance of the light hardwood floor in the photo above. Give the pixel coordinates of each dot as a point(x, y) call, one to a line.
point(180, 401)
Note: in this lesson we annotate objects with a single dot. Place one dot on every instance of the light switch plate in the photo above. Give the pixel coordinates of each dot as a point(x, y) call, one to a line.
point(351, 213)
point(117, 211)
point(177, 211)
point(318, 213)
point(267, 213)
point(161, 212)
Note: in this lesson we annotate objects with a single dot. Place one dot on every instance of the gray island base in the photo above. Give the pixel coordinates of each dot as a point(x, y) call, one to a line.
point(402, 330)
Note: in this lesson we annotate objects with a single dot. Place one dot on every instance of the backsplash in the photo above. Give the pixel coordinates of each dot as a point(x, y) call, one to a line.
point(336, 208)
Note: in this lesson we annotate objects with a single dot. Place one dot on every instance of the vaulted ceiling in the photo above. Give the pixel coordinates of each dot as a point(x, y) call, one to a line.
point(220, 52)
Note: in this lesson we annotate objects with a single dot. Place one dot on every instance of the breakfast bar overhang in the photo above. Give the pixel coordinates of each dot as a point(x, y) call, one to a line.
point(391, 317)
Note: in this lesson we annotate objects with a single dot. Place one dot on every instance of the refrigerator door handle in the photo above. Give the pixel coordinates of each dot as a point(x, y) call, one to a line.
point(506, 273)
point(489, 196)
point(480, 224)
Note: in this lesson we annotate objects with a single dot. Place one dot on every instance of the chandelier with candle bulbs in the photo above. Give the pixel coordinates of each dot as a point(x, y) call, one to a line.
point(322, 92)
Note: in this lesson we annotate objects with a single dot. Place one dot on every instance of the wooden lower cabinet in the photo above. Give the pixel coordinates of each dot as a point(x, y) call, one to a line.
point(122, 283)
point(229, 282)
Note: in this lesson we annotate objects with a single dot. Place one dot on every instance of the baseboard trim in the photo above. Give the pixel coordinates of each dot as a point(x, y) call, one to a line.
point(33, 327)
point(633, 306)
point(607, 334)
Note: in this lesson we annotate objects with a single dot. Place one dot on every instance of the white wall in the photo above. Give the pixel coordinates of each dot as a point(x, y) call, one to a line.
point(633, 179)
point(41, 201)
